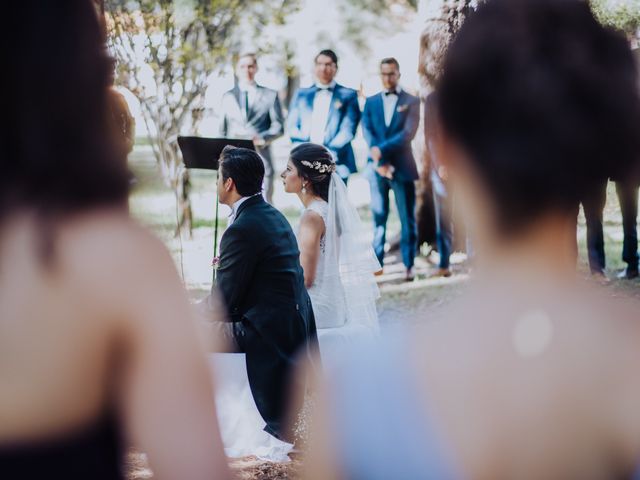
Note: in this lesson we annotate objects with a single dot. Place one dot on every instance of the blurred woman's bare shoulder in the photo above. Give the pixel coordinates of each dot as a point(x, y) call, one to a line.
point(108, 239)
point(109, 255)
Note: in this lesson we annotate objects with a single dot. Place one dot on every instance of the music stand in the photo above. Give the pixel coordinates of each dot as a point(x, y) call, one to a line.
point(204, 153)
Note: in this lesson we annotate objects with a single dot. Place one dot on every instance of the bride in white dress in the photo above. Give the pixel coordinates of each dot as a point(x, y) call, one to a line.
point(335, 251)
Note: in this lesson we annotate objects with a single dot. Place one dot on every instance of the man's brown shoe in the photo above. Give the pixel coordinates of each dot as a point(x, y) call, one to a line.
point(443, 272)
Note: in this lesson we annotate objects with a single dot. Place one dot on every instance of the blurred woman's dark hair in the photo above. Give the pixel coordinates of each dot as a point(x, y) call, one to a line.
point(245, 167)
point(543, 99)
point(315, 164)
point(56, 148)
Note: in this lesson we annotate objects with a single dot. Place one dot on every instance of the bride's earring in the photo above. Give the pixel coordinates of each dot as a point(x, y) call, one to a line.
point(304, 189)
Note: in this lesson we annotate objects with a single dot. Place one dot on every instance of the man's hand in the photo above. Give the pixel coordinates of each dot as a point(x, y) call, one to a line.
point(385, 171)
point(443, 173)
point(259, 141)
point(376, 154)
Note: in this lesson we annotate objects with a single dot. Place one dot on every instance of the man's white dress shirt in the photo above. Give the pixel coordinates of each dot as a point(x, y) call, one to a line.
point(320, 113)
point(389, 102)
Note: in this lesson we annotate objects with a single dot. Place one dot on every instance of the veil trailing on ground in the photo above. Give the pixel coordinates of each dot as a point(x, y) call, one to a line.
point(346, 240)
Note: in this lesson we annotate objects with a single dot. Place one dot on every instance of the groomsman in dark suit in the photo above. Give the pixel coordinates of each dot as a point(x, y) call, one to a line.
point(627, 186)
point(389, 122)
point(327, 114)
point(253, 112)
point(627, 190)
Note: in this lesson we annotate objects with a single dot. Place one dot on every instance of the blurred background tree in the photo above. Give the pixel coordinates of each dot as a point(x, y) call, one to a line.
point(362, 18)
point(623, 15)
point(166, 52)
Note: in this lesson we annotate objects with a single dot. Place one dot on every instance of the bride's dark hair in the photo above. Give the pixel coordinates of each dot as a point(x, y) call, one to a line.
point(315, 164)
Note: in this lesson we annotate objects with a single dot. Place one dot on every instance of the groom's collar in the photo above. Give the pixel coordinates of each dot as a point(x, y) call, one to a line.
point(236, 208)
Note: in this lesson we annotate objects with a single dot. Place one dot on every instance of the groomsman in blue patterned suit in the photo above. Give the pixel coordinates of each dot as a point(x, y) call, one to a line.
point(327, 114)
point(389, 122)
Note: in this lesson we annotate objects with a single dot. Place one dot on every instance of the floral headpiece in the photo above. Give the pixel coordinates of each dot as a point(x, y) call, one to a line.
point(319, 166)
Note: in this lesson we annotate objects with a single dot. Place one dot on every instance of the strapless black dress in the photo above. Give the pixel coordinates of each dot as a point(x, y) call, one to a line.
point(94, 453)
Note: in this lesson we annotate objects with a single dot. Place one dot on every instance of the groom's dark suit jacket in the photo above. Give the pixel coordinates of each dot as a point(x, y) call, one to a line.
point(262, 284)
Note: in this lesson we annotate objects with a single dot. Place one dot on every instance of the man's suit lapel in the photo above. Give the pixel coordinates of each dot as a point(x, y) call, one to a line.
point(333, 118)
point(306, 110)
point(380, 127)
point(236, 94)
point(260, 93)
point(311, 95)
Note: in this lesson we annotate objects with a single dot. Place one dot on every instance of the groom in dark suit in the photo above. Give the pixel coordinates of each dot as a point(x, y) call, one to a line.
point(327, 114)
point(389, 123)
point(253, 112)
point(270, 318)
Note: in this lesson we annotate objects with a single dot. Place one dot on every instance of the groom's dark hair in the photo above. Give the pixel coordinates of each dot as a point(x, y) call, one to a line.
point(244, 167)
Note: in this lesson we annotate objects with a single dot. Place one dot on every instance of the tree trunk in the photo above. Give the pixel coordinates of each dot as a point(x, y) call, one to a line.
point(185, 213)
point(177, 178)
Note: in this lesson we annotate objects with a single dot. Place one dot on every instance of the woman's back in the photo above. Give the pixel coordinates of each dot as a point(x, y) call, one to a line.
point(537, 388)
point(95, 347)
point(97, 344)
point(59, 334)
point(541, 388)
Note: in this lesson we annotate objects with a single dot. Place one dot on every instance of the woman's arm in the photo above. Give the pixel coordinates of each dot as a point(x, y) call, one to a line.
point(311, 230)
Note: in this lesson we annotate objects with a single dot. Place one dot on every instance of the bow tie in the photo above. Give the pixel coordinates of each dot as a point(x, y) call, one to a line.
point(325, 89)
point(391, 92)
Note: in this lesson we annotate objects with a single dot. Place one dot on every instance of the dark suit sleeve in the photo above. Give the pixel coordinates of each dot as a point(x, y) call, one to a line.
point(277, 121)
point(406, 134)
point(238, 257)
point(349, 123)
point(293, 119)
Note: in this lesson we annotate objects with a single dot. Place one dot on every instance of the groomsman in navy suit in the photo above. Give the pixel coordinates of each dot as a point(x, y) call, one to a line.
point(389, 122)
point(327, 114)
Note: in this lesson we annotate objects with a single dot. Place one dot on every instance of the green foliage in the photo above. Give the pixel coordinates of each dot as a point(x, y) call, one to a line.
point(623, 15)
point(361, 17)
point(166, 50)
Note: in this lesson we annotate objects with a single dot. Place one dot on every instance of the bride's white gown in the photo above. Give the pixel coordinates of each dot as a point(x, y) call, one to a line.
point(343, 298)
point(341, 314)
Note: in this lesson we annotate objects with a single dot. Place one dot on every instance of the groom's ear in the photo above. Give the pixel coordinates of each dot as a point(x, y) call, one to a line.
point(229, 184)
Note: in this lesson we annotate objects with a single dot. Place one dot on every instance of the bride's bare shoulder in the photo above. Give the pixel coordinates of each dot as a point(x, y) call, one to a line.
point(311, 220)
